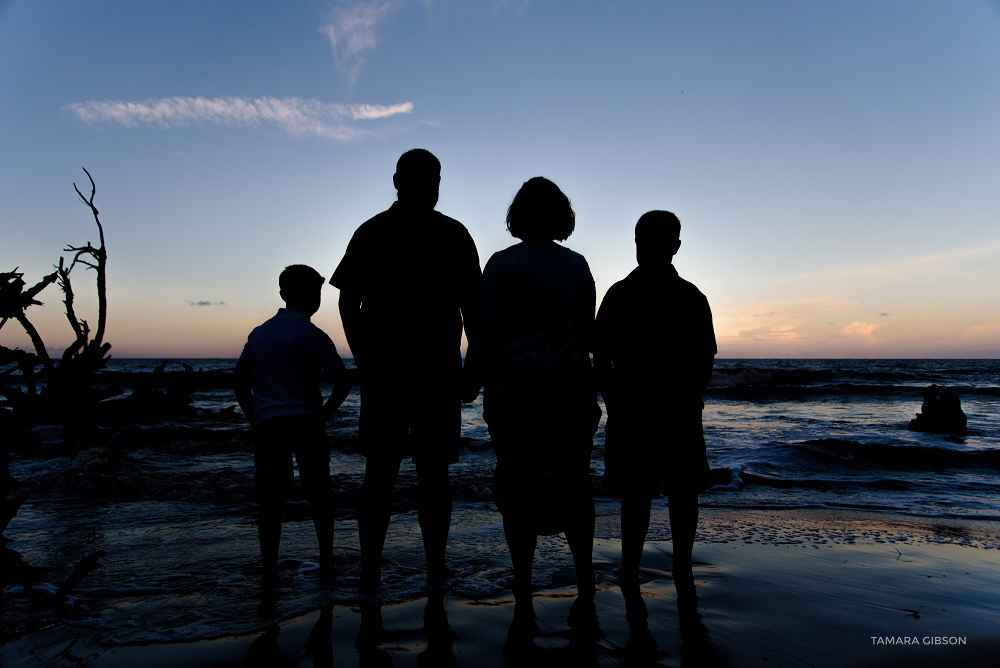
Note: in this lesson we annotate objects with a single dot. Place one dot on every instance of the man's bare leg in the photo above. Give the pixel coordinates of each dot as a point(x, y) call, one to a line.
point(434, 516)
point(635, 523)
point(373, 516)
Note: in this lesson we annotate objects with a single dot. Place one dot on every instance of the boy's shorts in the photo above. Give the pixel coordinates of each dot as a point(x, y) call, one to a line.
point(275, 441)
point(647, 457)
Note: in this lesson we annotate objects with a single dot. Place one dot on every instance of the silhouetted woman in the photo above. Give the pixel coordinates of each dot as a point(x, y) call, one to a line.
point(539, 394)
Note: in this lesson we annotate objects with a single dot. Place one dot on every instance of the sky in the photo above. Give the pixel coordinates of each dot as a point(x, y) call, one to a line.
point(834, 164)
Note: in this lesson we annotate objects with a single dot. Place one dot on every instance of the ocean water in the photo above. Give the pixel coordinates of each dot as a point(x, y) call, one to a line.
point(833, 433)
point(170, 500)
point(789, 433)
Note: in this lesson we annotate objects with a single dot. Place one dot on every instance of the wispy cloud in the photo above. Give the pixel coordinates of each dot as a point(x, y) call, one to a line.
point(863, 330)
point(987, 332)
point(205, 302)
point(294, 115)
point(352, 27)
point(352, 34)
point(942, 262)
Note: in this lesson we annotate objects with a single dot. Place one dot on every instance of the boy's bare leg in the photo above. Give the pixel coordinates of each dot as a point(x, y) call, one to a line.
point(635, 524)
point(269, 535)
point(683, 526)
point(314, 473)
point(434, 516)
point(323, 523)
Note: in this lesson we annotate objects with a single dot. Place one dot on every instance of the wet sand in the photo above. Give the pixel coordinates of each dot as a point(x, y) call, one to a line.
point(775, 588)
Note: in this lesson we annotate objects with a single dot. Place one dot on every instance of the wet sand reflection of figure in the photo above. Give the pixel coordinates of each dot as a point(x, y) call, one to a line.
point(408, 281)
point(276, 381)
point(266, 651)
point(654, 351)
point(373, 637)
point(539, 396)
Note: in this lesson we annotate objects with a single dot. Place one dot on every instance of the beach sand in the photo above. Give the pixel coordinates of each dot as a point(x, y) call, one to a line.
point(775, 588)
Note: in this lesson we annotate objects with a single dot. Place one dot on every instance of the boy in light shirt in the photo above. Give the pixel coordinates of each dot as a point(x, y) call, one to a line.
point(277, 384)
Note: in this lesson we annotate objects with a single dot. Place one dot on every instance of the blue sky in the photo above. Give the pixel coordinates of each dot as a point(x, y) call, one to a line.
point(834, 164)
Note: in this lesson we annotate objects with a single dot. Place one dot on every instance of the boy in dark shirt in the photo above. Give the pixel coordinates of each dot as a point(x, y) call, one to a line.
point(654, 350)
point(277, 385)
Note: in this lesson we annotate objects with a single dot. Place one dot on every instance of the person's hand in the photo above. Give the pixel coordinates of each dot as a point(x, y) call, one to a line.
point(471, 380)
point(470, 392)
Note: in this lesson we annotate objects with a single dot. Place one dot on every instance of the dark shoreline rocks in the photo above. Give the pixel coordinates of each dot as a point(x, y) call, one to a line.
point(941, 413)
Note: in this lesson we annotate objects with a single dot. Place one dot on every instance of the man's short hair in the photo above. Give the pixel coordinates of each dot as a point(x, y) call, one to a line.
point(540, 212)
point(418, 161)
point(299, 281)
point(658, 225)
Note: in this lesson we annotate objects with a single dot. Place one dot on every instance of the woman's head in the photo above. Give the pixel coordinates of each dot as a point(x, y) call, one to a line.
point(540, 212)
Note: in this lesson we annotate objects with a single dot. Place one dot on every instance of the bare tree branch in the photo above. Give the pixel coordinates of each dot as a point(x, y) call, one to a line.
point(36, 341)
point(67, 288)
point(100, 256)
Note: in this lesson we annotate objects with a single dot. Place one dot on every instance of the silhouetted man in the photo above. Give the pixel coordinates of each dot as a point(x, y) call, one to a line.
point(654, 350)
point(408, 279)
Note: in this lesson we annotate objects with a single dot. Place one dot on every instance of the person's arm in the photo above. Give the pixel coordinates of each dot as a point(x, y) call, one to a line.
point(471, 293)
point(341, 388)
point(706, 362)
point(350, 315)
point(484, 339)
point(243, 386)
point(603, 366)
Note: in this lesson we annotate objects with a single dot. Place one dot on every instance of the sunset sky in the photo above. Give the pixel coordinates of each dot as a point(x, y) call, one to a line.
point(835, 165)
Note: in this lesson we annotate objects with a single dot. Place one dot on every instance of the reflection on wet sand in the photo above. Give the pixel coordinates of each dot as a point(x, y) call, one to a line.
point(374, 641)
point(264, 650)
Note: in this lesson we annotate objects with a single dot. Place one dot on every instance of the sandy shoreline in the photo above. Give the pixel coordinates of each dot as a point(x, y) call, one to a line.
point(776, 587)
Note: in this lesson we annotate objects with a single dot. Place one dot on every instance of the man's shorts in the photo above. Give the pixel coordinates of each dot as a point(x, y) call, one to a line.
point(275, 441)
point(394, 421)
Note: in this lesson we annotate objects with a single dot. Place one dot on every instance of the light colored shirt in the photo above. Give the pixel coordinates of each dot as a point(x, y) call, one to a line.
point(289, 355)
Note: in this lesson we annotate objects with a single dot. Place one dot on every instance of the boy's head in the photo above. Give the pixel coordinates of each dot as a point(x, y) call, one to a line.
point(301, 287)
point(657, 237)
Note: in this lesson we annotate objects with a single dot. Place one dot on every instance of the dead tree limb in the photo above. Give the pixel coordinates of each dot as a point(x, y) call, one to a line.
point(14, 302)
point(80, 328)
point(80, 570)
point(100, 257)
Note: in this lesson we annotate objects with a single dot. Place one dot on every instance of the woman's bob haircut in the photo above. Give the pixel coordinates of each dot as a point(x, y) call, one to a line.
point(540, 212)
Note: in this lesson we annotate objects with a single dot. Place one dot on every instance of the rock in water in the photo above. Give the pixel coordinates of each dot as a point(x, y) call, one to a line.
point(941, 413)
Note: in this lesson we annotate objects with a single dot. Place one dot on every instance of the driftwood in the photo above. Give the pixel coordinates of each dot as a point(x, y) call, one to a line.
point(80, 570)
point(96, 259)
point(68, 395)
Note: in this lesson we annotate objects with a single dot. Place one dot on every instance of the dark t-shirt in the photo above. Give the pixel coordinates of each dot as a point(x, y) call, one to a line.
point(656, 329)
point(414, 272)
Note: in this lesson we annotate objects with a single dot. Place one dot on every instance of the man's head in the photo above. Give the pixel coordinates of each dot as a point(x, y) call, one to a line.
point(301, 288)
point(657, 238)
point(417, 178)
